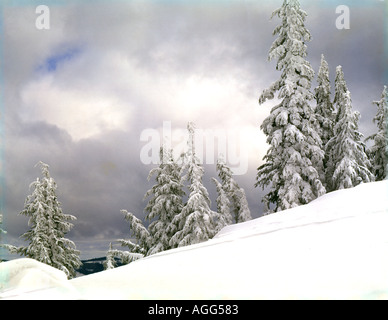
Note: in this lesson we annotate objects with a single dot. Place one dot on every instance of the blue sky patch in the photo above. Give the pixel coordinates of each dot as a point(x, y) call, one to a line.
point(52, 62)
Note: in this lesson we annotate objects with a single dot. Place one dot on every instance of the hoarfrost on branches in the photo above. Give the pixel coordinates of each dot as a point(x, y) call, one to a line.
point(294, 162)
point(48, 227)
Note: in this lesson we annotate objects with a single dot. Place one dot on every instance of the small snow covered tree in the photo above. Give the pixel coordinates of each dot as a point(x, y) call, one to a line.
point(294, 162)
point(137, 249)
point(110, 262)
point(165, 202)
point(378, 153)
point(348, 165)
point(195, 221)
point(49, 225)
point(140, 234)
point(238, 201)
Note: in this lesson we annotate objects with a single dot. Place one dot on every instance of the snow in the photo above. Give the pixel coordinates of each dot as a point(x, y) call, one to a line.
point(336, 247)
point(26, 278)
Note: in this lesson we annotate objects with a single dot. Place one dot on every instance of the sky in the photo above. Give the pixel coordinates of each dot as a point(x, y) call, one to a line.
point(92, 94)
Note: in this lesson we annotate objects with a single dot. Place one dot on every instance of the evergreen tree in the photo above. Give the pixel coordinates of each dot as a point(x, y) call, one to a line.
point(165, 203)
point(110, 262)
point(238, 202)
point(223, 216)
point(49, 225)
point(294, 161)
point(348, 164)
point(378, 153)
point(137, 249)
point(324, 111)
point(195, 221)
point(140, 234)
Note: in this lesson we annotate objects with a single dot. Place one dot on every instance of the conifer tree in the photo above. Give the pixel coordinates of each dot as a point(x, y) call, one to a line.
point(49, 225)
point(223, 216)
point(324, 110)
point(137, 249)
point(348, 164)
point(195, 222)
point(378, 153)
point(238, 202)
point(165, 202)
point(294, 162)
point(110, 262)
point(139, 233)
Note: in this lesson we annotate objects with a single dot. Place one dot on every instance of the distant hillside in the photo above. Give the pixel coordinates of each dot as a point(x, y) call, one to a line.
point(93, 265)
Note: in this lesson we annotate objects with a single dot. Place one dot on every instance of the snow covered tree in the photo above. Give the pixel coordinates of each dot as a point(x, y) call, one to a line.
point(378, 153)
point(165, 203)
point(348, 164)
point(223, 216)
point(294, 162)
point(110, 262)
point(49, 225)
point(140, 234)
point(195, 222)
point(137, 249)
point(237, 199)
point(324, 110)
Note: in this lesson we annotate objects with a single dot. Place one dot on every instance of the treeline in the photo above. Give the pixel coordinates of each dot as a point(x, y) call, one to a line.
point(173, 222)
point(314, 148)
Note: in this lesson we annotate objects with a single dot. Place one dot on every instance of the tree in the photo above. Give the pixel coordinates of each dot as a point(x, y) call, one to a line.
point(378, 153)
point(139, 233)
point(223, 217)
point(195, 222)
point(49, 225)
point(236, 195)
point(348, 164)
point(137, 249)
point(324, 110)
point(294, 161)
point(165, 203)
point(110, 262)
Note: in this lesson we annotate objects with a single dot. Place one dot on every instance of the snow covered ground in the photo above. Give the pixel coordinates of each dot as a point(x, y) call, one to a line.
point(336, 247)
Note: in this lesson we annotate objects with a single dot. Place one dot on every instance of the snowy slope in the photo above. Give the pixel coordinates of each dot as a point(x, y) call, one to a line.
point(336, 247)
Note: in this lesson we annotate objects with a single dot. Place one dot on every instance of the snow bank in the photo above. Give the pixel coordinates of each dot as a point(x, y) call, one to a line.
point(333, 248)
point(28, 277)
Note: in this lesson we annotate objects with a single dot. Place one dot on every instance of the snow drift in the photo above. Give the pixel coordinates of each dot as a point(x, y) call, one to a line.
point(336, 247)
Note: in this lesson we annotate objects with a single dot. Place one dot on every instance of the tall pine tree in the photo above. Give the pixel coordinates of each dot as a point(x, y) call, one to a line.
point(348, 165)
point(324, 110)
point(294, 162)
point(165, 202)
point(223, 216)
point(195, 222)
point(49, 225)
point(378, 153)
